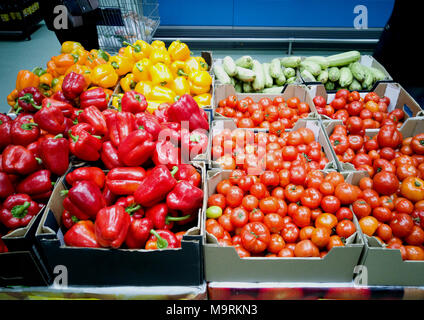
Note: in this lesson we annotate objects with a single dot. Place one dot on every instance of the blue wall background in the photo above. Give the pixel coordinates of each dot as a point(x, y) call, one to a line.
point(272, 13)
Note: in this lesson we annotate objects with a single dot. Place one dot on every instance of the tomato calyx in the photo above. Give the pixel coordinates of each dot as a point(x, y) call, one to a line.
point(254, 234)
point(417, 184)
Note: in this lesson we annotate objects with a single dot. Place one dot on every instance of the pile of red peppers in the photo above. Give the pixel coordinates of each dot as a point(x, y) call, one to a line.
point(136, 184)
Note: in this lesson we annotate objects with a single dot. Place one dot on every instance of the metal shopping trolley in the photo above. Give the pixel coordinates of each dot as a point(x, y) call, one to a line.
point(126, 20)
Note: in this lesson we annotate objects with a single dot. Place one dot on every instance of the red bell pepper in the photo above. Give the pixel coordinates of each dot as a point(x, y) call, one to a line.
point(162, 239)
point(133, 102)
point(24, 130)
point(111, 226)
point(93, 174)
point(195, 142)
point(30, 99)
point(119, 124)
point(160, 218)
point(166, 153)
point(4, 118)
point(84, 200)
point(93, 116)
point(81, 234)
point(59, 96)
point(125, 180)
point(110, 197)
point(3, 247)
point(138, 233)
point(154, 188)
point(109, 156)
point(65, 107)
point(6, 186)
point(83, 144)
point(162, 112)
point(37, 183)
point(73, 85)
point(131, 207)
point(54, 153)
point(136, 149)
point(148, 122)
point(188, 173)
point(50, 119)
point(187, 109)
point(168, 134)
point(68, 220)
point(18, 210)
point(18, 160)
point(94, 97)
point(5, 135)
point(172, 125)
point(184, 197)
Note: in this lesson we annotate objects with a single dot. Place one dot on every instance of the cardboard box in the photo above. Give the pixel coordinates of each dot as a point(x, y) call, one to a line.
point(22, 265)
point(385, 266)
point(365, 60)
point(291, 90)
point(399, 98)
point(314, 125)
point(120, 267)
point(224, 264)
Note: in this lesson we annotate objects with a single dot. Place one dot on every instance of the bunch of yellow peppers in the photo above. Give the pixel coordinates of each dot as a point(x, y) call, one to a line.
point(163, 74)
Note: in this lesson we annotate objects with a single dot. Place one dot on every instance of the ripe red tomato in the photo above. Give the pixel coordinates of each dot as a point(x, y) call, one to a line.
point(346, 193)
point(255, 237)
point(385, 183)
point(274, 222)
point(269, 205)
point(344, 213)
point(345, 228)
point(311, 198)
point(402, 225)
point(306, 248)
point(371, 96)
point(389, 136)
point(355, 125)
point(338, 103)
point(354, 108)
point(330, 204)
point(290, 232)
point(302, 217)
point(319, 101)
point(416, 237)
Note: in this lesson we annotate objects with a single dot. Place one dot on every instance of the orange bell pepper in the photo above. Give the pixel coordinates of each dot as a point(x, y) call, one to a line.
point(25, 79)
point(61, 63)
point(11, 98)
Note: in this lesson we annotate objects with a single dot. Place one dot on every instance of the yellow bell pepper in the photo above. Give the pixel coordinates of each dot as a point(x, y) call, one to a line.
point(45, 83)
point(196, 64)
point(200, 82)
point(145, 88)
point(104, 76)
point(80, 55)
point(145, 47)
point(96, 57)
point(138, 50)
point(180, 86)
point(121, 64)
point(160, 55)
point(153, 105)
point(116, 100)
point(83, 70)
point(57, 83)
point(141, 70)
point(70, 46)
point(203, 99)
point(163, 94)
point(179, 68)
point(128, 82)
point(157, 44)
point(178, 51)
point(160, 74)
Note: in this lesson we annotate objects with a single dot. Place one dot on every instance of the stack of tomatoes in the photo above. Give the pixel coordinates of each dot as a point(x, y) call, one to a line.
point(296, 150)
point(370, 112)
point(277, 114)
point(276, 215)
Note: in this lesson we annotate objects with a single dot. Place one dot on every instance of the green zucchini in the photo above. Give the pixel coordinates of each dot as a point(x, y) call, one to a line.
point(238, 87)
point(273, 90)
point(281, 80)
point(355, 85)
point(313, 67)
point(334, 74)
point(275, 68)
point(245, 74)
point(229, 66)
point(368, 80)
point(220, 74)
point(233, 81)
point(290, 62)
point(343, 59)
point(291, 80)
point(259, 81)
point(289, 72)
point(329, 85)
point(357, 71)
point(323, 76)
point(245, 62)
point(268, 79)
point(346, 77)
point(377, 73)
point(247, 87)
point(307, 76)
point(322, 61)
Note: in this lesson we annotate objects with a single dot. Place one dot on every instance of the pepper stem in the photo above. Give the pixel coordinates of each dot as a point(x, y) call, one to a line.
point(64, 193)
point(29, 125)
point(170, 218)
point(58, 136)
point(161, 242)
point(133, 208)
point(20, 211)
point(174, 170)
point(74, 138)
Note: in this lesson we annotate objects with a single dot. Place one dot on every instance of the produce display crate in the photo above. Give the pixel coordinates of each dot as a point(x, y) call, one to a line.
point(399, 98)
point(21, 265)
point(366, 60)
point(336, 267)
point(315, 125)
point(385, 266)
point(120, 267)
point(291, 90)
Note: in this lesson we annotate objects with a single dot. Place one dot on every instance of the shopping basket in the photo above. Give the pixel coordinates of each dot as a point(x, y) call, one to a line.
point(126, 20)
